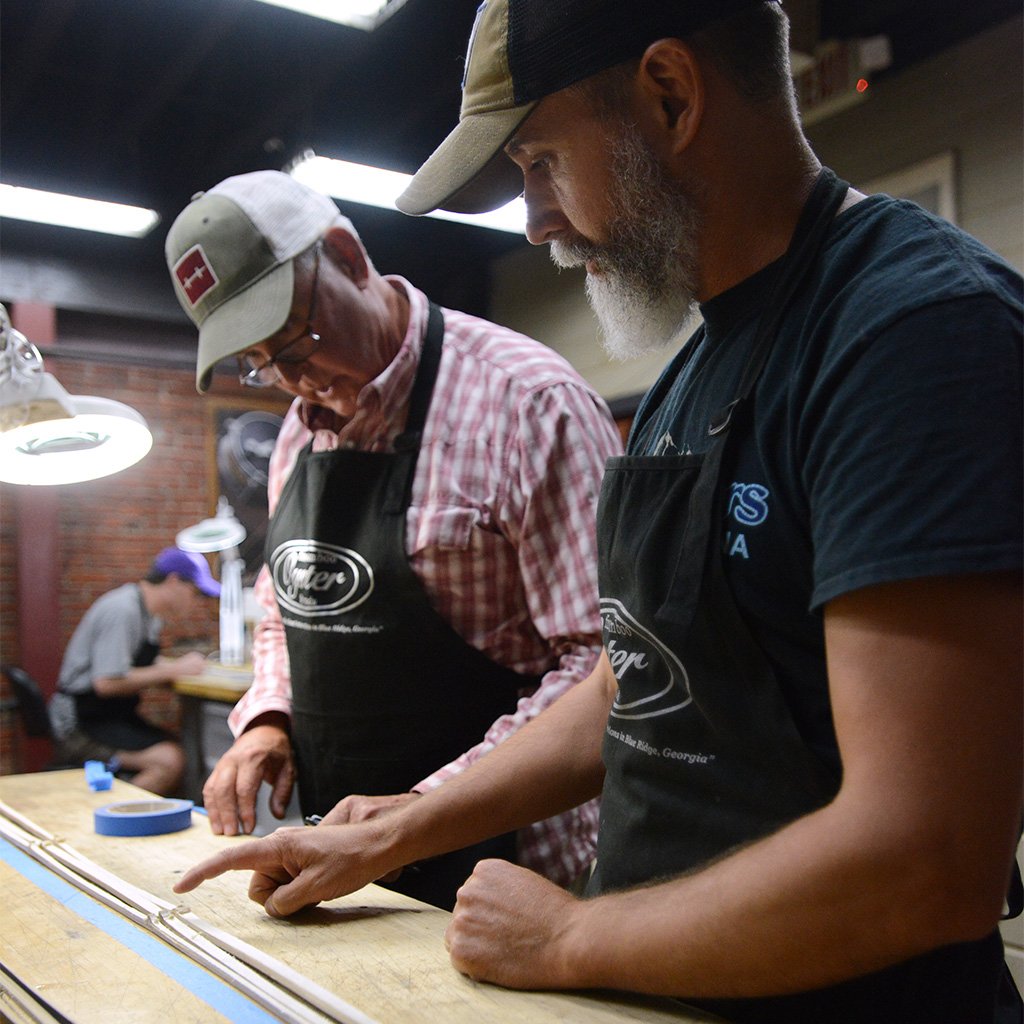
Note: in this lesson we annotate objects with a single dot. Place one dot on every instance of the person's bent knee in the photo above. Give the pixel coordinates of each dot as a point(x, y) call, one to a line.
point(169, 756)
point(159, 768)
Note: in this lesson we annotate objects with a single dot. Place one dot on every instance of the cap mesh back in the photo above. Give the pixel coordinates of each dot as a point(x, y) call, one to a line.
point(555, 43)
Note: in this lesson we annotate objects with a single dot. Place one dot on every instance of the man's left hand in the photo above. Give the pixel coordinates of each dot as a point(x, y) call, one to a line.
point(511, 927)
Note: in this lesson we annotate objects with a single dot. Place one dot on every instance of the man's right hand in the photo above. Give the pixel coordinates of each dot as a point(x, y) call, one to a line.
point(294, 868)
point(262, 753)
point(191, 664)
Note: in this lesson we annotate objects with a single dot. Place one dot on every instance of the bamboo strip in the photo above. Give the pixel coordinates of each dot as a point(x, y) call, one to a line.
point(261, 990)
point(284, 975)
point(275, 986)
point(20, 1005)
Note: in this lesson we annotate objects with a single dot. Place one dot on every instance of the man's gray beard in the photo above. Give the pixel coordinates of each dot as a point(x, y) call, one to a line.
point(646, 290)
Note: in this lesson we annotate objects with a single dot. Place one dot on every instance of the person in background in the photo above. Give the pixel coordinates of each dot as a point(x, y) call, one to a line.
point(807, 728)
point(113, 656)
point(430, 577)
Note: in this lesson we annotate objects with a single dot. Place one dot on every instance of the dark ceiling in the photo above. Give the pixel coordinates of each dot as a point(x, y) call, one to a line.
point(148, 101)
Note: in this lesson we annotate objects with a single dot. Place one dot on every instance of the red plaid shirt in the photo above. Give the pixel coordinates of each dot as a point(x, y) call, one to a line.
point(501, 529)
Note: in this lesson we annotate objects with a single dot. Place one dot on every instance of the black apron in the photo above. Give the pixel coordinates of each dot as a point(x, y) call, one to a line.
point(701, 751)
point(384, 691)
point(97, 715)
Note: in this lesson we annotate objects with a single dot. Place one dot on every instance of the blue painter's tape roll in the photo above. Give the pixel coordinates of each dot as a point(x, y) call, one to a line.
point(143, 817)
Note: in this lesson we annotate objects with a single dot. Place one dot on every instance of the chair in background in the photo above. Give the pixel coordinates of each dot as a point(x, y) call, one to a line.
point(30, 705)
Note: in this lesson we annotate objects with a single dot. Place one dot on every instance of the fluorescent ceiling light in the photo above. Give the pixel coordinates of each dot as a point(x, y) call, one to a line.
point(74, 212)
point(374, 186)
point(364, 14)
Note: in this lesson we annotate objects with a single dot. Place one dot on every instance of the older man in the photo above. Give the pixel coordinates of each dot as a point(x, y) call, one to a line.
point(430, 576)
point(808, 722)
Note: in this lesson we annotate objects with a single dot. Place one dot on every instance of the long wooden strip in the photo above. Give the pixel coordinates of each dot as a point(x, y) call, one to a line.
point(20, 1005)
point(237, 962)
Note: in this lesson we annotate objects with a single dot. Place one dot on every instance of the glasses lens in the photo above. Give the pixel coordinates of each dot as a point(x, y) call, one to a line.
point(258, 377)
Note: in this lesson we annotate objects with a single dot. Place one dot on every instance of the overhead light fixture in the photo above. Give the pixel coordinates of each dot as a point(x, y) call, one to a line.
point(374, 186)
point(66, 211)
point(364, 14)
point(223, 533)
point(50, 437)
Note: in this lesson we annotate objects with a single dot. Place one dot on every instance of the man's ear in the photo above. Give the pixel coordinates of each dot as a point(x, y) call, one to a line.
point(671, 81)
point(348, 254)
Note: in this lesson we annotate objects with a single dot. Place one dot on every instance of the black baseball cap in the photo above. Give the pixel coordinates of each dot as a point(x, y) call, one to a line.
point(521, 51)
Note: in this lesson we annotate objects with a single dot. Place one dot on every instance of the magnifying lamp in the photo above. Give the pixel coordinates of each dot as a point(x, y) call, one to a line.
point(223, 533)
point(50, 437)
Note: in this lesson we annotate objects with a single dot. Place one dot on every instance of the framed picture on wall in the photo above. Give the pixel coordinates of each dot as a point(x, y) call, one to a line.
point(242, 437)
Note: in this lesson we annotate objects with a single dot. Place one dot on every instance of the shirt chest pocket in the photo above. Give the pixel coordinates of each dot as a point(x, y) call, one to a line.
point(444, 528)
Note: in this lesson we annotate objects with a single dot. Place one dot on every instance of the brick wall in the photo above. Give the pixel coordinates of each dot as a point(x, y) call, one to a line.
point(109, 529)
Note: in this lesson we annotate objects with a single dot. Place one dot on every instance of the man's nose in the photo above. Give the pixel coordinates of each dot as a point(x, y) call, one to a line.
point(544, 218)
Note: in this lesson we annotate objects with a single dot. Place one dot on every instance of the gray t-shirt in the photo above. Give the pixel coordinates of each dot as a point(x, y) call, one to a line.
point(104, 645)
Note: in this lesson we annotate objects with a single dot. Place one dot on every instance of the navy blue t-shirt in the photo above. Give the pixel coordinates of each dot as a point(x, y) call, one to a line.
point(884, 435)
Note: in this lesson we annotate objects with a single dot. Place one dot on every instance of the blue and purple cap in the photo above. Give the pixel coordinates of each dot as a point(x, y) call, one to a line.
point(189, 565)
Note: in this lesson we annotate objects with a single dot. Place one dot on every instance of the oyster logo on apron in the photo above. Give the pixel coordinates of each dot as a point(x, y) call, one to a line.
point(652, 680)
point(314, 579)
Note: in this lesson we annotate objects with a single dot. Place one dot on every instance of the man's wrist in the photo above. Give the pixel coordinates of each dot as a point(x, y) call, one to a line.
point(573, 954)
point(275, 719)
point(403, 837)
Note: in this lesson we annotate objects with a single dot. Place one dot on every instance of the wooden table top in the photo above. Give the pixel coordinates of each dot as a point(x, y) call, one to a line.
point(218, 682)
point(380, 951)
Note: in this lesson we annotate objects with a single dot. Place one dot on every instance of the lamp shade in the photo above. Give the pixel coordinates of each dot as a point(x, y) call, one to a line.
point(65, 439)
point(218, 533)
point(50, 437)
point(223, 532)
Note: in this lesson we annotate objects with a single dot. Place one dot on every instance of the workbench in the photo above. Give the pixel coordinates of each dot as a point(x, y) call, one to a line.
point(380, 952)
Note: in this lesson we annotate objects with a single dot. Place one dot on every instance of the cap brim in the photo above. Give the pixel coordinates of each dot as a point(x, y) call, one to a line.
point(244, 320)
point(211, 588)
point(468, 172)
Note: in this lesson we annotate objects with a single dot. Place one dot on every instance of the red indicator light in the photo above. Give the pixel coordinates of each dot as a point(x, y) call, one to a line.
point(862, 85)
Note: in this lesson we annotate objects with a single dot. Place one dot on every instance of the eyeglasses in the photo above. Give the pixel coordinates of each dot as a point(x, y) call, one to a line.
point(253, 374)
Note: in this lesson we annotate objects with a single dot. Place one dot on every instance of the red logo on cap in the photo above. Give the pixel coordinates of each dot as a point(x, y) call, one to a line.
point(194, 274)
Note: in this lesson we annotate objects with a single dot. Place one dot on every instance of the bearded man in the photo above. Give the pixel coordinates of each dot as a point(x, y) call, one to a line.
point(806, 726)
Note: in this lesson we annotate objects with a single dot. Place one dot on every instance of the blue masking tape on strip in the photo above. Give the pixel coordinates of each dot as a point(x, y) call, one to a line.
point(143, 817)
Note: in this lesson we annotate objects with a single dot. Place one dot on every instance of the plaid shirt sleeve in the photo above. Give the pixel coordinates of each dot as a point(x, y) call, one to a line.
point(271, 688)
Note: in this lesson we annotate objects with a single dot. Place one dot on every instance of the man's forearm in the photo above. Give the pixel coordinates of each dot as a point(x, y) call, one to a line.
point(270, 690)
point(575, 665)
point(549, 765)
point(747, 925)
point(913, 854)
point(134, 680)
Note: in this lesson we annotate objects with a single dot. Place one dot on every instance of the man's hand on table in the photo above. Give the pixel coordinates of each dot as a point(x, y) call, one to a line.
point(193, 663)
point(262, 753)
point(294, 868)
point(512, 927)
